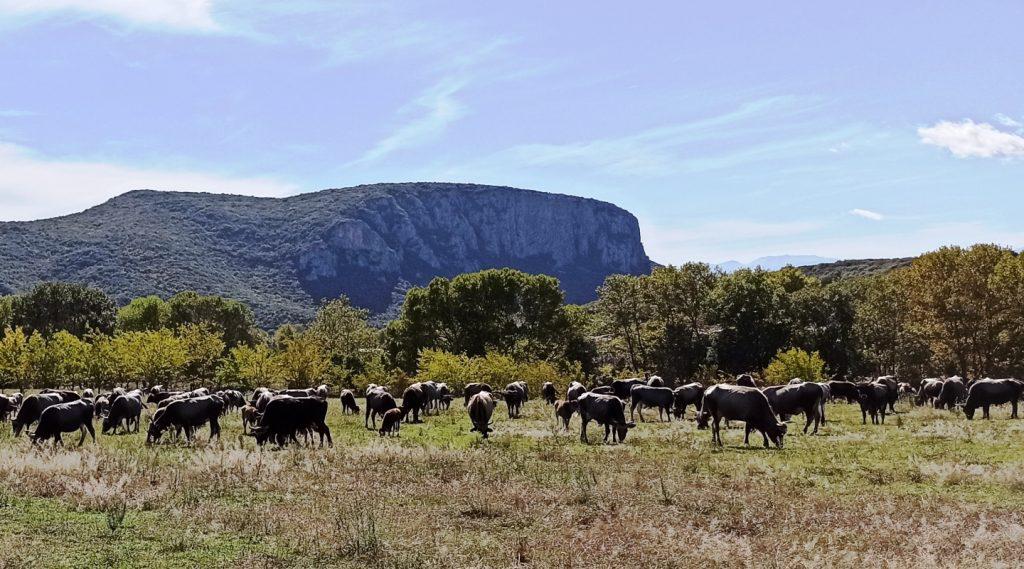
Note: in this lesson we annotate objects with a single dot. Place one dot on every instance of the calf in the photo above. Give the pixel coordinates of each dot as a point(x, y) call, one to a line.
point(564, 411)
point(645, 396)
point(186, 414)
point(348, 402)
point(391, 423)
point(607, 410)
point(574, 391)
point(378, 401)
point(285, 417)
point(547, 392)
point(250, 417)
point(740, 403)
point(987, 392)
point(689, 394)
point(805, 398)
point(873, 399)
point(481, 408)
point(65, 418)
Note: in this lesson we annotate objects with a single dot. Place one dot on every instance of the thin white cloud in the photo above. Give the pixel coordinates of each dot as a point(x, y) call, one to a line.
point(430, 114)
point(175, 15)
point(716, 240)
point(968, 139)
point(867, 214)
point(1008, 121)
point(34, 186)
point(15, 113)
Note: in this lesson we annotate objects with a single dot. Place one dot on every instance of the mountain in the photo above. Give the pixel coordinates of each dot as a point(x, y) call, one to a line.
point(854, 268)
point(283, 255)
point(774, 263)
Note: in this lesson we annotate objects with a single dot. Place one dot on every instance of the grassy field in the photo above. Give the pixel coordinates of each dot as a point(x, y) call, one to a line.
point(926, 489)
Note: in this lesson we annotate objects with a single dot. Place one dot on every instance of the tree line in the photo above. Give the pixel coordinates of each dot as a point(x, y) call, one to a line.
point(952, 311)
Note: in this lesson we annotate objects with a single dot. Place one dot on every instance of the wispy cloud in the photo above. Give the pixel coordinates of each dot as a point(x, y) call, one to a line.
point(1007, 121)
point(15, 113)
point(867, 214)
point(194, 16)
point(35, 186)
point(968, 139)
point(427, 117)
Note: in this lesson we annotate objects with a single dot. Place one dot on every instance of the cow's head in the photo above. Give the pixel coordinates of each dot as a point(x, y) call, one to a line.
point(703, 418)
point(154, 433)
point(969, 412)
point(622, 429)
point(776, 435)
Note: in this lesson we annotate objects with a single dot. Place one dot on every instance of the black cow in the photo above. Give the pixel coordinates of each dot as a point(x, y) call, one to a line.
point(378, 402)
point(607, 410)
point(656, 381)
point(574, 391)
point(124, 412)
point(873, 399)
point(348, 402)
point(689, 394)
point(32, 408)
point(65, 418)
point(480, 409)
point(929, 391)
point(603, 390)
point(740, 403)
point(622, 387)
point(548, 393)
point(806, 398)
point(646, 396)
point(845, 389)
point(987, 392)
point(892, 388)
point(391, 423)
point(953, 393)
point(285, 417)
point(564, 411)
point(7, 406)
point(747, 380)
point(515, 396)
point(413, 401)
point(472, 389)
point(186, 414)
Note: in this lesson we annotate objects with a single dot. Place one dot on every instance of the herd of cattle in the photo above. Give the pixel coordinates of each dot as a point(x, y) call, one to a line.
point(282, 416)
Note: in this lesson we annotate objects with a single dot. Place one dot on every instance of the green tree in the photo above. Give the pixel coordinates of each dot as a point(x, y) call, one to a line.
point(624, 307)
point(248, 367)
point(234, 320)
point(794, 363)
point(6, 303)
point(50, 307)
point(888, 339)
point(151, 357)
point(14, 358)
point(70, 354)
point(203, 349)
point(751, 309)
point(143, 314)
point(345, 335)
point(302, 362)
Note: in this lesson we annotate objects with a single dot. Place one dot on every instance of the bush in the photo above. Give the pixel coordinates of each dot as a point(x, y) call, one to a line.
point(793, 363)
point(495, 369)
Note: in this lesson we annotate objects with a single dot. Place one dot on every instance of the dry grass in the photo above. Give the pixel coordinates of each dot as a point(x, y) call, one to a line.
point(930, 490)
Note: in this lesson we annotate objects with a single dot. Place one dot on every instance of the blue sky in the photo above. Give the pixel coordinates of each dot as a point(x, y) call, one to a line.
point(731, 129)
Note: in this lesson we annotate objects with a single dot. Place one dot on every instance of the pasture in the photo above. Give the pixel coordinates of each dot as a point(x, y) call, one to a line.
point(928, 489)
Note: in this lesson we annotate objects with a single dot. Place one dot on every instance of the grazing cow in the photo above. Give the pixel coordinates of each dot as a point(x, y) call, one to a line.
point(391, 423)
point(445, 402)
point(65, 418)
point(430, 390)
point(308, 392)
point(646, 396)
point(607, 410)
point(987, 392)
point(655, 381)
point(158, 397)
point(186, 414)
point(348, 402)
point(378, 401)
point(472, 389)
point(444, 396)
point(480, 409)
point(574, 391)
point(65, 395)
point(547, 392)
point(806, 398)
point(907, 390)
point(892, 390)
point(413, 399)
point(622, 387)
point(124, 412)
point(515, 396)
point(828, 397)
point(524, 387)
point(32, 408)
point(683, 396)
point(564, 410)
point(7, 406)
point(101, 406)
point(953, 393)
point(321, 391)
point(873, 399)
point(740, 403)
point(250, 417)
point(929, 391)
point(603, 390)
point(845, 389)
point(286, 417)
point(747, 380)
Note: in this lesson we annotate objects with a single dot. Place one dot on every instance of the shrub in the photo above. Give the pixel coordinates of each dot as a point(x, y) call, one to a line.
point(792, 363)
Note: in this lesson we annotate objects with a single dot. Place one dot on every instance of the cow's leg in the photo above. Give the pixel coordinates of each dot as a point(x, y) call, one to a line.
point(92, 432)
point(985, 412)
point(765, 435)
point(746, 434)
point(716, 434)
point(864, 416)
point(583, 429)
point(1013, 415)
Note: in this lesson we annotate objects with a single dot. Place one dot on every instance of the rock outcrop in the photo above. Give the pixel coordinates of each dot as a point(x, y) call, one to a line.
point(282, 256)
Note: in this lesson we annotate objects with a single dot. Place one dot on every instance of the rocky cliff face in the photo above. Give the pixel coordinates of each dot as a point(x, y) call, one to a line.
point(284, 255)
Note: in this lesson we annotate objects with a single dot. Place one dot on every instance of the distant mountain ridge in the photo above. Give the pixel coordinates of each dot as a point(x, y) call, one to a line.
point(283, 255)
point(854, 268)
point(775, 262)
